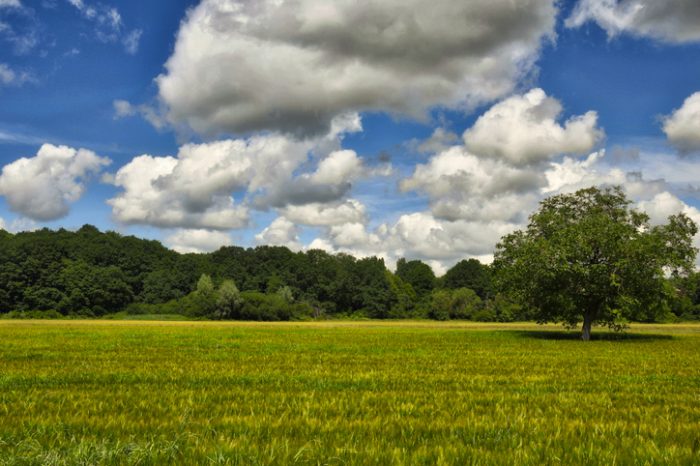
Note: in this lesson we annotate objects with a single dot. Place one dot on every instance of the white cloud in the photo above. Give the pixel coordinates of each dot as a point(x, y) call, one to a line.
point(124, 109)
point(326, 214)
point(418, 236)
point(462, 185)
point(682, 127)
point(292, 65)
point(338, 167)
point(664, 204)
point(523, 130)
point(159, 191)
point(281, 232)
point(10, 4)
point(42, 187)
point(330, 182)
point(21, 224)
point(573, 174)
point(197, 241)
point(674, 21)
point(196, 189)
point(499, 172)
point(2, 224)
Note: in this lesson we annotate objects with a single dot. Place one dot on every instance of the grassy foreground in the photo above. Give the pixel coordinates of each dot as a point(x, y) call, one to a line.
point(121, 392)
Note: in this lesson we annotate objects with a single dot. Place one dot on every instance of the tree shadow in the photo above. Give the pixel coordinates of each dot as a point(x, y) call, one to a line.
point(602, 335)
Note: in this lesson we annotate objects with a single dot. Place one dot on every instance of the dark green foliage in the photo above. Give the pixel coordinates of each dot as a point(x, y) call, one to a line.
point(461, 303)
point(418, 274)
point(470, 274)
point(589, 257)
point(405, 297)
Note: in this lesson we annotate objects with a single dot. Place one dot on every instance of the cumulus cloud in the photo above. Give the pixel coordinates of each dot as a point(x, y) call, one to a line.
point(281, 232)
point(159, 191)
point(293, 65)
point(331, 181)
point(326, 214)
point(197, 241)
point(674, 21)
point(572, 174)
point(196, 188)
point(682, 127)
point(523, 130)
point(498, 173)
point(417, 235)
point(44, 186)
point(440, 140)
point(665, 204)
point(462, 185)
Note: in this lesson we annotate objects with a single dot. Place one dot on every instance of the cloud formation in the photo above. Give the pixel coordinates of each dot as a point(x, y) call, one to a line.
point(281, 232)
point(682, 127)
point(326, 214)
point(673, 21)
point(44, 186)
point(523, 130)
point(498, 172)
point(197, 241)
point(293, 65)
point(196, 189)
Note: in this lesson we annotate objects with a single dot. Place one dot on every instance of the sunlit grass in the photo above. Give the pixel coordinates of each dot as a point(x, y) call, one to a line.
point(125, 392)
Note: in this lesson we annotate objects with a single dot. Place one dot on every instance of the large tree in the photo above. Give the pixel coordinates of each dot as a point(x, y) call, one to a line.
point(418, 274)
point(472, 274)
point(590, 257)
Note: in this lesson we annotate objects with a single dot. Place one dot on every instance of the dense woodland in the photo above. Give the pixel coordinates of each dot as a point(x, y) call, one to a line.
point(90, 273)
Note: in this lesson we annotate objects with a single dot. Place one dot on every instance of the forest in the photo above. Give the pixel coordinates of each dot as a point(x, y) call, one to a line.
point(88, 273)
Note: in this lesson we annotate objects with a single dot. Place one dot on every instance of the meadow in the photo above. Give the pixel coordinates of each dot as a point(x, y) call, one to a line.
point(121, 392)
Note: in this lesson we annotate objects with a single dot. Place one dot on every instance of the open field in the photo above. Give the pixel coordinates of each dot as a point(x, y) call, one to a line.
point(120, 392)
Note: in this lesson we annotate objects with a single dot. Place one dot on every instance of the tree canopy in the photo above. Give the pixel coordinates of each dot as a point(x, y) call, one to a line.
point(589, 257)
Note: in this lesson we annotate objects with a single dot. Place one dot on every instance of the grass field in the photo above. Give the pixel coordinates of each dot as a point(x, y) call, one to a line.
point(89, 392)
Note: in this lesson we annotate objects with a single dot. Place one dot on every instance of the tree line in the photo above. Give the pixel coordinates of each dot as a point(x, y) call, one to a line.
point(92, 273)
point(585, 256)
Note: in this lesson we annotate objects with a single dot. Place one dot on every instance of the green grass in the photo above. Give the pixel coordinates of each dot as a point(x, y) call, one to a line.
point(120, 392)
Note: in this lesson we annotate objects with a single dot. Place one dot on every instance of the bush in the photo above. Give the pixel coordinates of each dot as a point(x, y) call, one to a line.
point(461, 303)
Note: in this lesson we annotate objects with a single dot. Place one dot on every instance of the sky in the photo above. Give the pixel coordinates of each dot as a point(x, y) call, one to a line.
point(394, 128)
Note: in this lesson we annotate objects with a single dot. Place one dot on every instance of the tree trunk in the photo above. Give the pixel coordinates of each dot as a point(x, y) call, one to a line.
point(586, 329)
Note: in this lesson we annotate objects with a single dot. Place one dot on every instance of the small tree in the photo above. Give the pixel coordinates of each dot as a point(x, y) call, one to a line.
point(589, 257)
point(228, 301)
point(205, 296)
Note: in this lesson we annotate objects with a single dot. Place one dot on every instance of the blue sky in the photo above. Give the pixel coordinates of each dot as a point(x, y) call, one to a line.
point(395, 128)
